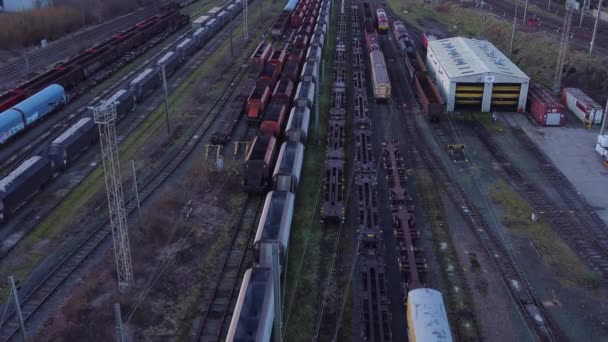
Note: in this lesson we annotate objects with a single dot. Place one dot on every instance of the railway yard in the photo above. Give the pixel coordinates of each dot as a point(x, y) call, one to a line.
point(288, 170)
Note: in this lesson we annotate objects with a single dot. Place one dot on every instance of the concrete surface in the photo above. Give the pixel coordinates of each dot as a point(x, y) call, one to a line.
point(571, 149)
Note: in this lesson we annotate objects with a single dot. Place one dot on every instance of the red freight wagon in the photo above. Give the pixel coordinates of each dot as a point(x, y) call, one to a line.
point(260, 56)
point(296, 19)
point(544, 108)
point(278, 57)
point(297, 54)
point(11, 98)
point(301, 41)
point(291, 70)
point(256, 103)
point(283, 92)
point(274, 119)
point(269, 75)
point(258, 163)
point(431, 101)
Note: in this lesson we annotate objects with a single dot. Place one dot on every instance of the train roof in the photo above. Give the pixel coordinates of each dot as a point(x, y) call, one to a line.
point(166, 57)
point(142, 75)
point(49, 94)
point(71, 130)
point(464, 57)
point(6, 181)
point(427, 316)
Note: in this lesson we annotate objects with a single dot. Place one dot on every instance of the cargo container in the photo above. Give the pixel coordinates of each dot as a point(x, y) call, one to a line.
point(258, 164)
point(256, 103)
point(144, 83)
point(544, 108)
point(71, 143)
point(214, 11)
point(274, 227)
point(583, 106)
point(274, 119)
point(291, 69)
point(283, 92)
point(200, 22)
point(286, 173)
point(23, 182)
point(310, 72)
point(254, 311)
point(297, 125)
point(170, 61)
point(305, 94)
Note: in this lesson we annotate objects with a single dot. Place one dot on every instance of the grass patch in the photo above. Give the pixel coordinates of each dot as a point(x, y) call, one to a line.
point(457, 295)
point(303, 315)
point(557, 255)
point(54, 228)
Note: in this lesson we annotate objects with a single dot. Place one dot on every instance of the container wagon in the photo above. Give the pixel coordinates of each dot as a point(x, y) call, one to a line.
point(21, 184)
point(256, 103)
point(583, 106)
point(73, 142)
point(274, 227)
point(381, 83)
point(258, 164)
point(287, 172)
point(544, 108)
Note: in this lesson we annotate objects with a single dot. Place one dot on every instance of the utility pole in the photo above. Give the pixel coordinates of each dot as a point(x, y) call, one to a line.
point(276, 285)
point(580, 24)
point(525, 12)
point(549, 6)
point(571, 5)
point(231, 46)
point(105, 118)
point(597, 22)
point(513, 32)
point(604, 119)
point(245, 25)
point(162, 70)
point(15, 294)
point(136, 190)
point(120, 333)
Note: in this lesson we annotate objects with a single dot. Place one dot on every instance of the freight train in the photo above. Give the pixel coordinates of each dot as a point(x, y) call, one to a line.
point(43, 89)
point(31, 175)
point(381, 84)
point(431, 101)
point(254, 312)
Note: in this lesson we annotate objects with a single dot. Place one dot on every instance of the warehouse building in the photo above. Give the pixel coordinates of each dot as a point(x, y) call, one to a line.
point(473, 75)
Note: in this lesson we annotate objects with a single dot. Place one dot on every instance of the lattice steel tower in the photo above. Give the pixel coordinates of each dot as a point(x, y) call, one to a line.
point(105, 118)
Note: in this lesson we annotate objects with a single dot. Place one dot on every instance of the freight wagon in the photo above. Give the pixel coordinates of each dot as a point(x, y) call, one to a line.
point(314, 54)
point(256, 103)
point(258, 164)
point(278, 58)
point(305, 94)
point(200, 22)
point(283, 92)
point(269, 76)
point(291, 69)
point(73, 142)
point(274, 228)
point(274, 119)
point(297, 125)
point(428, 96)
point(144, 83)
point(254, 311)
point(259, 57)
point(583, 106)
point(123, 101)
point(280, 25)
point(544, 108)
point(27, 112)
point(185, 49)
point(381, 83)
point(23, 183)
point(170, 62)
point(310, 72)
point(286, 173)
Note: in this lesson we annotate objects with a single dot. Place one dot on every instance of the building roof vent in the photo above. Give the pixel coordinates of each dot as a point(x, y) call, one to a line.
point(492, 53)
point(500, 61)
point(459, 61)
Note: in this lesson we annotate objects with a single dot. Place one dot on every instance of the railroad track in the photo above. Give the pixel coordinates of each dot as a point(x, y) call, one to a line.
point(216, 318)
point(33, 147)
point(73, 43)
point(583, 227)
point(32, 301)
